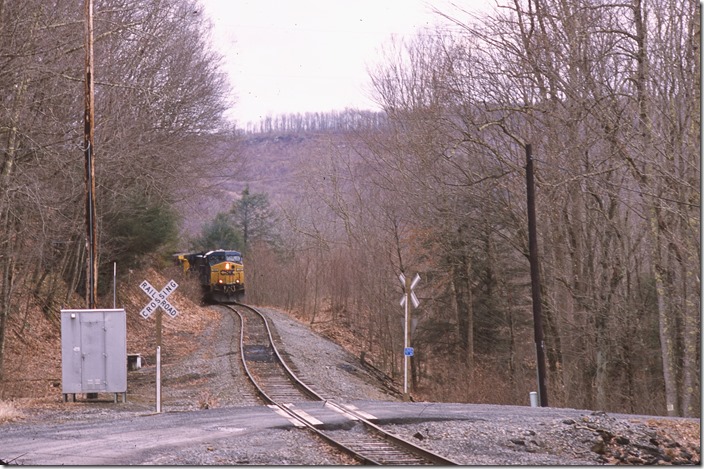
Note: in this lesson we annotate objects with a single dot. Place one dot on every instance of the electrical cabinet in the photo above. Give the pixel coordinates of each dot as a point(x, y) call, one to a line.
point(93, 351)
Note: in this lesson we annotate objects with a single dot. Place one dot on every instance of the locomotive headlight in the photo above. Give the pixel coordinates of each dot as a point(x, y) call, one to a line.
point(227, 266)
point(220, 281)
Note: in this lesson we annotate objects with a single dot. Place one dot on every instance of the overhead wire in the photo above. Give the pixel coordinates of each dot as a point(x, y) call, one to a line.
point(552, 165)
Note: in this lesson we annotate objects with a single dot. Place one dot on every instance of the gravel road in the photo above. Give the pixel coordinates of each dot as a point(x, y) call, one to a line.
point(202, 390)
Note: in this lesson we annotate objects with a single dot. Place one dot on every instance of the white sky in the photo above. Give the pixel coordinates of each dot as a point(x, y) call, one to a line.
point(297, 56)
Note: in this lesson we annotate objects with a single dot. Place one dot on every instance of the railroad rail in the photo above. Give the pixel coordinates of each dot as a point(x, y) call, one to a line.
point(279, 387)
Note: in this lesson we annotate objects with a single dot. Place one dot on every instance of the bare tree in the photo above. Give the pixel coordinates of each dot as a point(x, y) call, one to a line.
point(158, 91)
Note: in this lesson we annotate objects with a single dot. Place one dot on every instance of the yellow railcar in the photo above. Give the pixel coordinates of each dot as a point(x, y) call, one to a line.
point(182, 260)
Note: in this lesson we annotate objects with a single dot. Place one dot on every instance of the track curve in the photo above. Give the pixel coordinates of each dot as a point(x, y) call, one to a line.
point(280, 387)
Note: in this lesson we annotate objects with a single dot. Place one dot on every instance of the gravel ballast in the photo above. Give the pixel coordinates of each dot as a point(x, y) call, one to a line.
point(208, 381)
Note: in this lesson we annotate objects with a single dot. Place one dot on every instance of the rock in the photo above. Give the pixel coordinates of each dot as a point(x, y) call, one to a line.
point(418, 436)
point(599, 447)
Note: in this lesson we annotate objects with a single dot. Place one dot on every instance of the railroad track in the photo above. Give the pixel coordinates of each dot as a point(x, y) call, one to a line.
point(284, 392)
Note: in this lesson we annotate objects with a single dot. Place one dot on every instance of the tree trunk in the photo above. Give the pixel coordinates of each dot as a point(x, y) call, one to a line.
point(666, 328)
point(7, 220)
point(692, 284)
point(659, 269)
point(690, 340)
point(8, 268)
point(463, 302)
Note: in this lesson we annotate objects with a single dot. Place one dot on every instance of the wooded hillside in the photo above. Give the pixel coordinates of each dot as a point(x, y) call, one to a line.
point(608, 98)
point(607, 95)
point(158, 113)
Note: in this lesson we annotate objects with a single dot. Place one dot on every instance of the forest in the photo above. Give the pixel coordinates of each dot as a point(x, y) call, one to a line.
point(606, 95)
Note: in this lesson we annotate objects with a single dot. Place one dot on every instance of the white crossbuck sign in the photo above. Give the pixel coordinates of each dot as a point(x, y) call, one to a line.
point(158, 299)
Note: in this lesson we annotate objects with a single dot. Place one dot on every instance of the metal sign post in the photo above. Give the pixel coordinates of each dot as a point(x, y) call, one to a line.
point(158, 378)
point(159, 303)
point(114, 285)
point(408, 298)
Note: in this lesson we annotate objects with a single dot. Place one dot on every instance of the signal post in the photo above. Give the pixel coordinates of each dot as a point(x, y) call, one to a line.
point(408, 298)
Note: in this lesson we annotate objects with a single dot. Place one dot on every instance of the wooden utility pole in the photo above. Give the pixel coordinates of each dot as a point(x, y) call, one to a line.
point(91, 222)
point(535, 279)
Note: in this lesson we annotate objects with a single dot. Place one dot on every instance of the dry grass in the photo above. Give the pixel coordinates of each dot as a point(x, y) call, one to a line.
point(8, 412)
point(33, 348)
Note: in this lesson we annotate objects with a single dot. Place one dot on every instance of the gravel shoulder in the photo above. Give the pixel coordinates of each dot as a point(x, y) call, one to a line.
point(202, 379)
point(498, 435)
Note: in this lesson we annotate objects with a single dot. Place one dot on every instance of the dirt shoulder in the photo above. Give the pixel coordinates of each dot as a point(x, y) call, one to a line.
point(33, 348)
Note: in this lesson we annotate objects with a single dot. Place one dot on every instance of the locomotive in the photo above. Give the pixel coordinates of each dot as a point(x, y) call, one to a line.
point(220, 274)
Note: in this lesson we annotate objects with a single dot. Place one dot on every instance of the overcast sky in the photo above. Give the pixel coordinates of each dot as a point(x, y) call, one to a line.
point(297, 56)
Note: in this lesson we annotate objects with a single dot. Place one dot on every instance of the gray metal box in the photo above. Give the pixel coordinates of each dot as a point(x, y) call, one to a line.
point(93, 351)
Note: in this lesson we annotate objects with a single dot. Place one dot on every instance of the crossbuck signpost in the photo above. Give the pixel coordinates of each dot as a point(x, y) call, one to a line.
point(159, 303)
point(408, 298)
point(158, 299)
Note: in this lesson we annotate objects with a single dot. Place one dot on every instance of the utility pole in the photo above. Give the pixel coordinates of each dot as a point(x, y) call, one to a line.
point(91, 222)
point(535, 279)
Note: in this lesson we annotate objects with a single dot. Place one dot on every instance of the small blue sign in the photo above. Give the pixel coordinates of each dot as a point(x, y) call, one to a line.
point(408, 351)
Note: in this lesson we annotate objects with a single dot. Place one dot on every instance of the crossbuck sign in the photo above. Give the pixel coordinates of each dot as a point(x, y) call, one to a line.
point(158, 299)
point(408, 298)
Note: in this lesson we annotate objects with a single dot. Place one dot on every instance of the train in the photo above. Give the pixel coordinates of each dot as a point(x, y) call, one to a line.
point(220, 274)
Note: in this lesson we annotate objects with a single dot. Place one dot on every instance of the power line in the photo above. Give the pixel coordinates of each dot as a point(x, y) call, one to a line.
point(613, 184)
